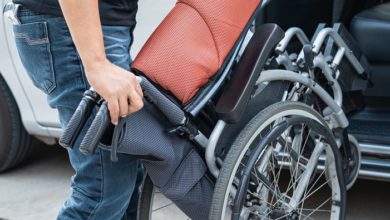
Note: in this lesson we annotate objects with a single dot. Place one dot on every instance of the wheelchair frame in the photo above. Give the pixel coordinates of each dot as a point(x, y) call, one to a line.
point(230, 112)
point(334, 114)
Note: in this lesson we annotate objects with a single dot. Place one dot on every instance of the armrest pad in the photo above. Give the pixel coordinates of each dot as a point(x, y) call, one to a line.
point(238, 90)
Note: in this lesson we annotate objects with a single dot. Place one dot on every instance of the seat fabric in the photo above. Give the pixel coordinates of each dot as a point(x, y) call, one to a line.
point(371, 29)
point(192, 42)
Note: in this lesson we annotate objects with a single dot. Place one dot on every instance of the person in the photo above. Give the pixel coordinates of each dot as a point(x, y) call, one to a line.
point(67, 46)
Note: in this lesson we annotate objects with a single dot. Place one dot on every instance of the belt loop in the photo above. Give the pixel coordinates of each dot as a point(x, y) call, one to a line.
point(11, 11)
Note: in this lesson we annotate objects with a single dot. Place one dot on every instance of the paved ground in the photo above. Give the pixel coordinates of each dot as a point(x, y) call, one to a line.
point(36, 190)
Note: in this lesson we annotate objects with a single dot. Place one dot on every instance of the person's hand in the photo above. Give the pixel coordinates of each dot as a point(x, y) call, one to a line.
point(118, 87)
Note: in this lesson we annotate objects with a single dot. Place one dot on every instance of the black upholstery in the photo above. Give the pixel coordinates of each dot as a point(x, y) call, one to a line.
point(371, 29)
point(237, 92)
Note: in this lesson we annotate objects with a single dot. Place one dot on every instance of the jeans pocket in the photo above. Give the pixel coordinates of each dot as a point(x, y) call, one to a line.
point(32, 42)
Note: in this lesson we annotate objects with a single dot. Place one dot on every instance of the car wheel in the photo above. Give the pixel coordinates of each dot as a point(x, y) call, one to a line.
point(15, 142)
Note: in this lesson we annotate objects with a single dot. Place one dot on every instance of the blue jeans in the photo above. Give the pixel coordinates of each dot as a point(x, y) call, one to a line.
point(101, 189)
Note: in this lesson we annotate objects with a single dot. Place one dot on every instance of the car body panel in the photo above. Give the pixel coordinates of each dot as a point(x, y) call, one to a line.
point(37, 117)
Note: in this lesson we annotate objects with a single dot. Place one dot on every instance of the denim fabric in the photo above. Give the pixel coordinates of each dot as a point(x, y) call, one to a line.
point(101, 189)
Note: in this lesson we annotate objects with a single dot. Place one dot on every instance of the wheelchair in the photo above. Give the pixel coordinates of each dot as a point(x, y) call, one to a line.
point(268, 126)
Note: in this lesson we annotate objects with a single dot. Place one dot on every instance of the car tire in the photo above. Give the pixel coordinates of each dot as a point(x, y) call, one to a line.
point(15, 142)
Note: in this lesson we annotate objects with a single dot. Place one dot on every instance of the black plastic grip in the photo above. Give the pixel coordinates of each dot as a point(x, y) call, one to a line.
point(173, 112)
point(96, 130)
point(77, 122)
point(102, 120)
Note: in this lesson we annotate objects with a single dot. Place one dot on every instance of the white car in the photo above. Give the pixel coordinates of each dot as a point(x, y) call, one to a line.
point(24, 111)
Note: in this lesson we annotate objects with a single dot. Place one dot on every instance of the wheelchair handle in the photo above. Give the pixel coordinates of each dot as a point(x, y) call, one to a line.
point(79, 118)
point(96, 131)
point(169, 109)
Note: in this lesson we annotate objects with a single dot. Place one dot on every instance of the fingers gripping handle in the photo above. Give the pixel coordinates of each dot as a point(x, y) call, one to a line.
point(78, 120)
point(96, 130)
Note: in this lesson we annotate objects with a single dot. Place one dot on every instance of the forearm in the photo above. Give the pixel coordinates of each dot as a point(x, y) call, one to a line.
point(83, 20)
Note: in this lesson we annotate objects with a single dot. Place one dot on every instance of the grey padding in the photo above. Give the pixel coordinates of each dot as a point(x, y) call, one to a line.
point(171, 110)
point(172, 162)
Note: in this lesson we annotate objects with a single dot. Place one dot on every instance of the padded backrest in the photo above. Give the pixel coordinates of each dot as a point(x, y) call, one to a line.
point(192, 42)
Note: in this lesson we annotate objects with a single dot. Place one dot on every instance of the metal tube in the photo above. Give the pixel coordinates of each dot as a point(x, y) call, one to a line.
point(210, 149)
point(201, 139)
point(290, 33)
point(338, 57)
point(319, 61)
point(284, 59)
point(281, 75)
point(324, 33)
point(304, 180)
point(375, 149)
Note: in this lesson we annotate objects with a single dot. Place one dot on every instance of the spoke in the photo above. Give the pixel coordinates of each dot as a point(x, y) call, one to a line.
point(300, 150)
point(257, 177)
point(281, 166)
point(303, 183)
point(276, 185)
point(273, 194)
point(254, 213)
point(304, 194)
point(281, 155)
point(254, 174)
point(322, 204)
point(318, 210)
point(318, 178)
point(306, 191)
point(322, 185)
point(294, 174)
point(297, 179)
point(269, 210)
point(253, 194)
point(282, 217)
point(307, 138)
point(306, 216)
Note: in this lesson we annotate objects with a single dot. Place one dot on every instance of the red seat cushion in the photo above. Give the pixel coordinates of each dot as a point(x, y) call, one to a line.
point(192, 42)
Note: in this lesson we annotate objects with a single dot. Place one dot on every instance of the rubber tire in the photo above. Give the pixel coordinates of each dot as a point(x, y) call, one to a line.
point(242, 139)
point(145, 206)
point(15, 142)
point(355, 143)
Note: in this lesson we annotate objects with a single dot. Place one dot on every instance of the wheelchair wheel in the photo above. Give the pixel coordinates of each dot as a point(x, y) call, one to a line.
point(351, 172)
point(149, 206)
point(146, 200)
point(354, 169)
point(265, 177)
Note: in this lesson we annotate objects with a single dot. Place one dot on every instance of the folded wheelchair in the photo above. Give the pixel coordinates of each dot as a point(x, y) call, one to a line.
point(234, 126)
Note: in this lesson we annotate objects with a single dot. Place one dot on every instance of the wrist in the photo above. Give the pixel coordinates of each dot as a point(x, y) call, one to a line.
point(94, 63)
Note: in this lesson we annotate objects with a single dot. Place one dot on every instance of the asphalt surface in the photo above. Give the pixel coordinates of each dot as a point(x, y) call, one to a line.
point(36, 190)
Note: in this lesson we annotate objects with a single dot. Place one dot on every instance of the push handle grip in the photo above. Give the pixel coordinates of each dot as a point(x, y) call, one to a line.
point(78, 120)
point(96, 130)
